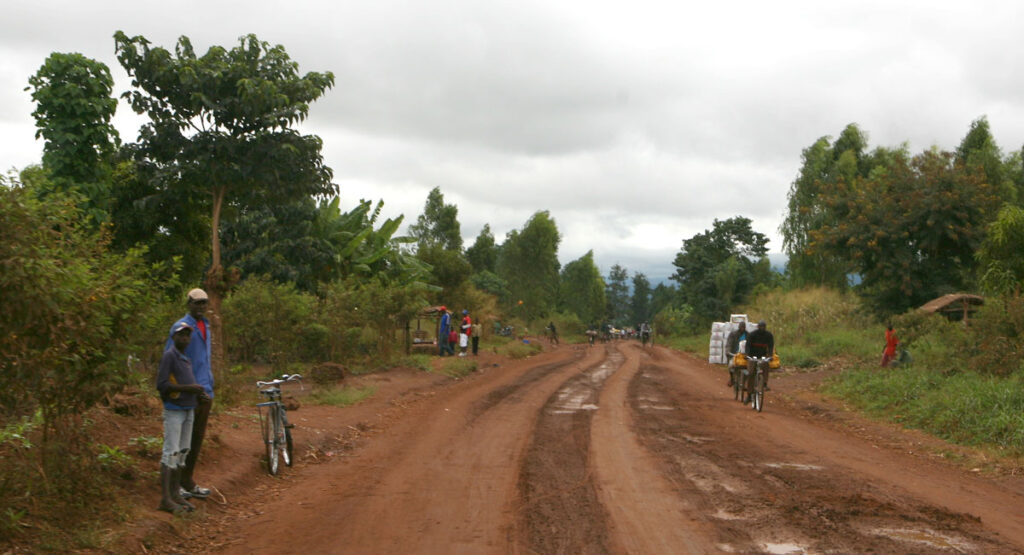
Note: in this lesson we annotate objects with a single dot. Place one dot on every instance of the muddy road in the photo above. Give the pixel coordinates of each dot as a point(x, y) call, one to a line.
point(614, 449)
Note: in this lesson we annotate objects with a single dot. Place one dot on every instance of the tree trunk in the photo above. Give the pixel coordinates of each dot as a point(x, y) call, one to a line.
point(216, 287)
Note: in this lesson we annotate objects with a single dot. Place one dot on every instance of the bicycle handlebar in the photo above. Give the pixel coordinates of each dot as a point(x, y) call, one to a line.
point(284, 378)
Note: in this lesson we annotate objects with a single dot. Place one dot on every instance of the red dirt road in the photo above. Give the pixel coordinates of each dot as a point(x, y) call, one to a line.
point(607, 449)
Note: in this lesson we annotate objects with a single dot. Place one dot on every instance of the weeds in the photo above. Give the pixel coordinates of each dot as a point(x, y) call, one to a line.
point(112, 458)
point(458, 367)
point(517, 349)
point(342, 396)
point(146, 446)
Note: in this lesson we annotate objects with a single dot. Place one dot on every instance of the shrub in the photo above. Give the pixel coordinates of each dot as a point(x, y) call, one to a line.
point(271, 322)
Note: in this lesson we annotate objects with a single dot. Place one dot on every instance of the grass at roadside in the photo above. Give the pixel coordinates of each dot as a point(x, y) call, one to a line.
point(516, 349)
point(342, 396)
point(965, 408)
point(457, 367)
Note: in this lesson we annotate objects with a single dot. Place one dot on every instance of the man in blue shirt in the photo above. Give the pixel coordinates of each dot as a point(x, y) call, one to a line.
point(442, 333)
point(198, 352)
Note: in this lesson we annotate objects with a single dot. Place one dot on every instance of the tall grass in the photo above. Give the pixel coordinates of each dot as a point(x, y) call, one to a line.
point(966, 408)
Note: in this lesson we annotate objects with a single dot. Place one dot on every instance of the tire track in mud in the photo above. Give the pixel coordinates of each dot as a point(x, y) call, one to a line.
point(510, 392)
point(560, 511)
point(758, 500)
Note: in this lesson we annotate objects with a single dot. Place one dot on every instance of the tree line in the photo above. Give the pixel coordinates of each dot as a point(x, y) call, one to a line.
point(221, 190)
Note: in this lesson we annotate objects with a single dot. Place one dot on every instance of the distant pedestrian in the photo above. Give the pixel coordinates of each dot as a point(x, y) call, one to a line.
point(443, 330)
point(476, 337)
point(180, 395)
point(466, 332)
point(891, 341)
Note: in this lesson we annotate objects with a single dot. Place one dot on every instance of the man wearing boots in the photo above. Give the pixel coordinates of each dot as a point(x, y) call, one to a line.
point(180, 394)
point(198, 353)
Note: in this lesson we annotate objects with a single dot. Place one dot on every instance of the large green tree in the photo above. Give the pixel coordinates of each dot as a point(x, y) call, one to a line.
point(911, 232)
point(616, 295)
point(74, 107)
point(438, 225)
point(824, 164)
point(717, 269)
point(222, 125)
point(483, 254)
point(640, 304)
point(999, 256)
point(581, 290)
point(528, 263)
point(979, 154)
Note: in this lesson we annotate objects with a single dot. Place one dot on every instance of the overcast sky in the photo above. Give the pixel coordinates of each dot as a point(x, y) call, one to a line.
point(635, 124)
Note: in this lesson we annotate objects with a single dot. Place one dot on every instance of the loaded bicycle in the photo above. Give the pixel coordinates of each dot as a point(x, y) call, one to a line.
point(274, 427)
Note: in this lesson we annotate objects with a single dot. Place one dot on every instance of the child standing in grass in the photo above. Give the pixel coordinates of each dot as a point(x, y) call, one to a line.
point(890, 346)
point(179, 393)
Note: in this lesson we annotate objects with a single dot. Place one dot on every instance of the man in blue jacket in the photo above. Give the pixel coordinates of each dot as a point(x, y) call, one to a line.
point(198, 352)
point(442, 333)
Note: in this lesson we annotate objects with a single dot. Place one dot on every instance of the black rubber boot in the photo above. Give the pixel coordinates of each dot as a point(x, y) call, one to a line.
point(166, 483)
point(176, 490)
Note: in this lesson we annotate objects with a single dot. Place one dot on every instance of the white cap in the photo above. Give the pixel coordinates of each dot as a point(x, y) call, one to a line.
point(197, 295)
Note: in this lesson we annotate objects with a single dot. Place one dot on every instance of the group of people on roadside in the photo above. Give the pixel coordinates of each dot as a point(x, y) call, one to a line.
point(462, 334)
point(758, 343)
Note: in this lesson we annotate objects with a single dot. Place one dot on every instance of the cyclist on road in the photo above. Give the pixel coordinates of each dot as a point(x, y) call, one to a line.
point(732, 346)
point(760, 343)
point(645, 333)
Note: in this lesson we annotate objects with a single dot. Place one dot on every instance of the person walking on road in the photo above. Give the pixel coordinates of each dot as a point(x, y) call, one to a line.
point(198, 353)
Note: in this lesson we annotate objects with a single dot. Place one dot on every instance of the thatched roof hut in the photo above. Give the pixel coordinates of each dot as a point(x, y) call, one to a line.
point(955, 306)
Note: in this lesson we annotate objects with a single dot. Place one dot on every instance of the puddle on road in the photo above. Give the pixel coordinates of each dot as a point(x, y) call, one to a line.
point(581, 394)
point(927, 537)
point(653, 403)
point(722, 514)
point(782, 548)
point(795, 466)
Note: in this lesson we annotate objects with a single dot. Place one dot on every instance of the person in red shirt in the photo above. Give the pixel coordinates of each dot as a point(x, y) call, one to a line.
point(890, 346)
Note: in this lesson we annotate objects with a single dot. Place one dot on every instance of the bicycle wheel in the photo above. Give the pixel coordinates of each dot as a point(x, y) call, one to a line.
point(273, 424)
point(758, 392)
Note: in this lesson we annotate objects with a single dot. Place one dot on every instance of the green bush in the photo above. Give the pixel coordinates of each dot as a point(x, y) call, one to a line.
point(271, 322)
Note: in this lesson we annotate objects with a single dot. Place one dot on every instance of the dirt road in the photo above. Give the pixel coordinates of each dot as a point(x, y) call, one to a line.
point(614, 449)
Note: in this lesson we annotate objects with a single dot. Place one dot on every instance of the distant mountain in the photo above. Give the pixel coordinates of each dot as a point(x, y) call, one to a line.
point(778, 260)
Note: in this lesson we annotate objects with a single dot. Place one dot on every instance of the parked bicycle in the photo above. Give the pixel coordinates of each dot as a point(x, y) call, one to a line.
point(755, 391)
point(274, 427)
